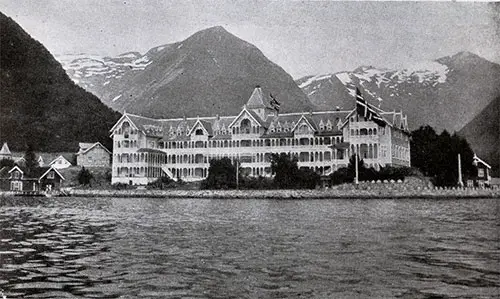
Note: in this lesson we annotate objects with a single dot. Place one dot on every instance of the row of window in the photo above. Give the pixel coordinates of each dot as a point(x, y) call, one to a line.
point(247, 143)
point(400, 152)
point(366, 132)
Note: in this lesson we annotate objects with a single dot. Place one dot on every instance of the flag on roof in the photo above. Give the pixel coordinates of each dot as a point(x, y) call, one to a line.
point(274, 103)
point(367, 110)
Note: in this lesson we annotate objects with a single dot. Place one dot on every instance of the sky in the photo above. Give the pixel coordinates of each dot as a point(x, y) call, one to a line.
point(303, 37)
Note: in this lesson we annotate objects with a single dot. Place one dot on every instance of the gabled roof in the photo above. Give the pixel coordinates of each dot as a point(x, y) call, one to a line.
point(59, 158)
point(16, 167)
point(125, 116)
point(256, 100)
point(252, 114)
point(476, 160)
point(308, 121)
point(48, 170)
point(4, 172)
point(5, 151)
point(84, 150)
point(35, 173)
point(207, 127)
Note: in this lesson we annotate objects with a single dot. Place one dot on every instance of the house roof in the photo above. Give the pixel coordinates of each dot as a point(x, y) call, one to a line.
point(4, 172)
point(89, 146)
point(476, 160)
point(5, 151)
point(256, 100)
point(59, 158)
point(49, 158)
point(48, 170)
point(36, 174)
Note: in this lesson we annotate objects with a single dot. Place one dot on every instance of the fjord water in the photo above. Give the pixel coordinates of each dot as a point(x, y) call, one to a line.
point(196, 248)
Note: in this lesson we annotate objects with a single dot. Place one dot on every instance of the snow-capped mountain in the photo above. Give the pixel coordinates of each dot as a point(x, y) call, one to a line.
point(211, 72)
point(93, 72)
point(446, 93)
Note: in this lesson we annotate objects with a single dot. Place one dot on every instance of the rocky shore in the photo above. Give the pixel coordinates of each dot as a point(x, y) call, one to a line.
point(361, 191)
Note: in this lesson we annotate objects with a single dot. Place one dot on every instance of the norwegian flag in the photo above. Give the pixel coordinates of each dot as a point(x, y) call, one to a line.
point(366, 110)
point(274, 103)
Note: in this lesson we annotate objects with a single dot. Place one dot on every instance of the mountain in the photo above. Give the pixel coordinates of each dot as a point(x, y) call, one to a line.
point(446, 93)
point(483, 134)
point(211, 72)
point(39, 104)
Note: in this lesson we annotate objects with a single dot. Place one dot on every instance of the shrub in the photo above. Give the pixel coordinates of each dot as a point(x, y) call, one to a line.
point(221, 175)
point(84, 177)
point(162, 183)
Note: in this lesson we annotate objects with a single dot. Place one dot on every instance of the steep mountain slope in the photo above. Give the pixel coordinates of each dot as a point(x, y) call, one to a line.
point(446, 93)
point(39, 104)
point(483, 134)
point(211, 72)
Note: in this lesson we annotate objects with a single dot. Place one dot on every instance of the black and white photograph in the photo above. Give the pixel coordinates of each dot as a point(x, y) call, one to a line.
point(249, 149)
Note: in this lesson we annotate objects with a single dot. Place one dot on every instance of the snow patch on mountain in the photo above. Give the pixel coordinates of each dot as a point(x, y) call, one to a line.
point(116, 98)
point(345, 78)
point(314, 79)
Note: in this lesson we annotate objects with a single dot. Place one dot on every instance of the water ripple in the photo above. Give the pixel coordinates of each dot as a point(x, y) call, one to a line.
point(168, 248)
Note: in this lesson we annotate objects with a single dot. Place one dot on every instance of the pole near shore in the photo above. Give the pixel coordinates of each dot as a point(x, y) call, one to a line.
point(460, 182)
point(237, 175)
point(356, 177)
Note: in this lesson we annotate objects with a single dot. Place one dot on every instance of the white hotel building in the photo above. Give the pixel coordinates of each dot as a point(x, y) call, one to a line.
point(145, 148)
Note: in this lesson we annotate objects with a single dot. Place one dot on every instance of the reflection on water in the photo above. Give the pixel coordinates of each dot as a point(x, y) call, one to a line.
point(169, 248)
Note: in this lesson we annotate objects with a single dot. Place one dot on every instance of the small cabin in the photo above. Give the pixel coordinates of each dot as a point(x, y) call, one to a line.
point(483, 177)
point(93, 155)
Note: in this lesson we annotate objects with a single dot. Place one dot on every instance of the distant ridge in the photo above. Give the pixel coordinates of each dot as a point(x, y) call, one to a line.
point(446, 93)
point(39, 104)
point(211, 72)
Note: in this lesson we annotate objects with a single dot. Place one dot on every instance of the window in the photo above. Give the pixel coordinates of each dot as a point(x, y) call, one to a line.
point(245, 126)
point(198, 132)
point(50, 175)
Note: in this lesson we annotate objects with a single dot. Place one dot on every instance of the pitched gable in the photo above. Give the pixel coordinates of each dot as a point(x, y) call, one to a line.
point(256, 100)
point(252, 116)
point(305, 121)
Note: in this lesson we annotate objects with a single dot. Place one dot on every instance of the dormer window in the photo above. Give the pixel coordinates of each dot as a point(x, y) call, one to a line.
point(126, 129)
point(245, 126)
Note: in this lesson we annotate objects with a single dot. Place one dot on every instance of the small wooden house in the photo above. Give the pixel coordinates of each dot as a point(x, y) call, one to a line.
point(93, 155)
point(483, 177)
point(40, 179)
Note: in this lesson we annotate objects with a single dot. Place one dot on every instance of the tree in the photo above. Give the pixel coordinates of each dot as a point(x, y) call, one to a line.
point(221, 175)
point(31, 162)
point(289, 176)
point(423, 147)
point(84, 176)
point(6, 162)
point(285, 170)
point(437, 155)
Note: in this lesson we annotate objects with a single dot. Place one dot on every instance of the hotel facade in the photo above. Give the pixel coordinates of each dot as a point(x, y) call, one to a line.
point(145, 149)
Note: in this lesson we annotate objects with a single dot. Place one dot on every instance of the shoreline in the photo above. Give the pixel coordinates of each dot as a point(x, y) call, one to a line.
point(344, 193)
